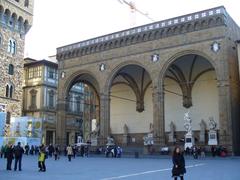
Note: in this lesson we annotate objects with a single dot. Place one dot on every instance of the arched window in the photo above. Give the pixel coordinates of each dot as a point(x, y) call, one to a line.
point(10, 69)
point(11, 91)
point(26, 3)
point(7, 90)
point(12, 46)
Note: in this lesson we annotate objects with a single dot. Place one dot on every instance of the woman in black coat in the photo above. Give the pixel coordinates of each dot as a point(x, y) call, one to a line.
point(178, 169)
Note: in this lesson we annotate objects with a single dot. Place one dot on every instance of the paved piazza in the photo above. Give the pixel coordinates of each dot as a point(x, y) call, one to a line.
point(101, 168)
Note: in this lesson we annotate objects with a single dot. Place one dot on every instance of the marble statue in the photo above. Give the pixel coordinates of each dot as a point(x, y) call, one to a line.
point(202, 131)
point(202, 126)
point(212, 124)
point(188, 122)
point(95, 131)
point(151, 128)
point(125, 129)
point(110, 141)
point(172, 131)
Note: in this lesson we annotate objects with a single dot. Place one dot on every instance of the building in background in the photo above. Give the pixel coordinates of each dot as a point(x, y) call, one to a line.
point(15, 21)
point(40, 95)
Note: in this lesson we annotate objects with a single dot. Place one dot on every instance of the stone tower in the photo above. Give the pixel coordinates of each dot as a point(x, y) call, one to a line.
point(15, 21)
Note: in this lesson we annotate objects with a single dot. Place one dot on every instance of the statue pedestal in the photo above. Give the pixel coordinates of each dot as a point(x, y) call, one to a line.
point(189, 141)
point(212, 137)
point(125, 140)
point(171, 138)
point(94, 141)
point(202, 137)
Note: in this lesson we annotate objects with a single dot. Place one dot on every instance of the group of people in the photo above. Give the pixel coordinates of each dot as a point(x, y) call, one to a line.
point(196, 152)
point(14, 152)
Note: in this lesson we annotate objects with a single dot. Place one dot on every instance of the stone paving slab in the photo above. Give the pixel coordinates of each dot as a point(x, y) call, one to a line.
point(101, 168)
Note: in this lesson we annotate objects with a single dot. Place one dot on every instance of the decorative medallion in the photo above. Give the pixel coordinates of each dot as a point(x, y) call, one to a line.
point(102, 67)
point(63, 74)
point(155, 57)
point(215, 47)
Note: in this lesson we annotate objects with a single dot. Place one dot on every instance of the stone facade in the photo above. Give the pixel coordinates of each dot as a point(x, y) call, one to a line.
point(15, 21)
point(210, 34)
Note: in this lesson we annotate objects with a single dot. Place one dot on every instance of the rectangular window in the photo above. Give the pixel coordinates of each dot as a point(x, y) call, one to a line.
point(52, 73)
point(30, 73)
point(33, 100)
point(34, 72)
point(51, 99)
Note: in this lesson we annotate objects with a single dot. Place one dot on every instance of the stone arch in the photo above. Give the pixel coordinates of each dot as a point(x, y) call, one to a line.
point(189, 27)
point(74, 76)
point(116, 43)
point(219, 20)
point(26, 26)
point(200, 86)
point(118, 68)
point(197, 25)
point(132, 39)
point(169, 31)
point(20, 23)
point(14, 19)
point(203, 23)
point(6, 16)
point(210, 22)
point(156, 34)
point(183, 53)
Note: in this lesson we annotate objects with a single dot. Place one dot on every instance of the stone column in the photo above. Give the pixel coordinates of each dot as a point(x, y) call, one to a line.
point(225, 124)
point(104, 118)
point(158, 116)
point(61, 122)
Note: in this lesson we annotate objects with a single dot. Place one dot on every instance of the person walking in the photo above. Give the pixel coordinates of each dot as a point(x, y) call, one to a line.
point(69, 152)
point(9, 156)
point(41, 160)
point(18, 152)
point(178, 160)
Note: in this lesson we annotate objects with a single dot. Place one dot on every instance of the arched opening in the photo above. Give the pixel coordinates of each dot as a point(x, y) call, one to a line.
point(10, 69)
point(82, 109)
point(131, 107)
point(190, 84)
point(6, 16)
point(19, 26)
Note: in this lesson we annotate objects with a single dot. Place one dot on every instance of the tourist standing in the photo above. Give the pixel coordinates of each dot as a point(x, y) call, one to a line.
point(9, 156)
point(178, 160)
point(27, 149)
point(41, 160)
point(18, 152)
point(56, 152)
point(69, 152)
point(50, 150)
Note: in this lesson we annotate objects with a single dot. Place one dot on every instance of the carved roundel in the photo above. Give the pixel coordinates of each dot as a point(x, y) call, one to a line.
point(215, 47)
point(102, 67)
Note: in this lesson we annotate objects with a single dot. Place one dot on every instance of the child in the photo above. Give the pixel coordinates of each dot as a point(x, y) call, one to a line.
point(41, 160)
